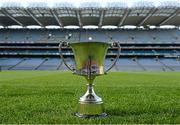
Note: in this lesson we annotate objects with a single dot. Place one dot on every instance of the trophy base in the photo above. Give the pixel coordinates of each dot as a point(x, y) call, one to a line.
point(91, 110)
point(91, 116)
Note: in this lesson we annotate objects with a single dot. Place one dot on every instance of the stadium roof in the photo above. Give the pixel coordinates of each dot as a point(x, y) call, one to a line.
point(90, 13)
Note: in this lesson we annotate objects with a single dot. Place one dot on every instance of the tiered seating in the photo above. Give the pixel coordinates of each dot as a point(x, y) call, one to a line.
point(152, 65)
point(127, 64)
point(108, 63)
point(28, 64)
point(51, 64)
point(70, 62)
point(55, 35)
point(173, 63)
point(7, 63)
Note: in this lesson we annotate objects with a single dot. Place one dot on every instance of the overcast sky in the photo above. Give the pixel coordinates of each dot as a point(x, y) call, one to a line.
point(80, 1)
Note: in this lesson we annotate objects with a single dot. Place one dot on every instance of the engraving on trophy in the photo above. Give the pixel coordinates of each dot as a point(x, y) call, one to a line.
point(90, 67)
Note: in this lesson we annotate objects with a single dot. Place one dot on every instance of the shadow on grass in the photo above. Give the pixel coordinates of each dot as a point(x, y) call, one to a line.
point(124, 113)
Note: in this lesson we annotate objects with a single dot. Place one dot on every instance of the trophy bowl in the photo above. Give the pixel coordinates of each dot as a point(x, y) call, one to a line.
point(89, 63)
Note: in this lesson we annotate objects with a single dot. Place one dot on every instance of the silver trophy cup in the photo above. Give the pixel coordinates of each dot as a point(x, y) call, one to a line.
point(89, 63)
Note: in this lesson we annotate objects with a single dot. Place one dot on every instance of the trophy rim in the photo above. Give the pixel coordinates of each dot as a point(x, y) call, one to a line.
point(90, 42)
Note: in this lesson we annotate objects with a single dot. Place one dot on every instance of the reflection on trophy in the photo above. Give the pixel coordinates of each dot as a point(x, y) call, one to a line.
point(89, 62)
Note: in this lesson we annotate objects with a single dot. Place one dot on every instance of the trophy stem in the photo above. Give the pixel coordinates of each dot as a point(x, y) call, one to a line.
point(90, 89)
point(90, 105)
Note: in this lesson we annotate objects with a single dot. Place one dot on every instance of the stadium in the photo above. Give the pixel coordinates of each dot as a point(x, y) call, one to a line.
point(36, 87)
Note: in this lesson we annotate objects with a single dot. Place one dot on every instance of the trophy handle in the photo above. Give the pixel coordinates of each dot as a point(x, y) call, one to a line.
point(117, 57)
point(61, 55)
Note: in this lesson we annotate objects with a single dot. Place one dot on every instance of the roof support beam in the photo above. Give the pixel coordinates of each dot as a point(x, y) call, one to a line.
point(79, 18)
point(56, 18)
point(34, 18)
point(126, 13)
point(170, 17)
point(101, 18)
point(1, 24)
point(152, 11)
point(11, 17)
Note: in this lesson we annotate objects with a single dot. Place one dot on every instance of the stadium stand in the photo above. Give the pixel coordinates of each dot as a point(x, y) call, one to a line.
point(143, 48)
point(46, 53)
point(103, 35)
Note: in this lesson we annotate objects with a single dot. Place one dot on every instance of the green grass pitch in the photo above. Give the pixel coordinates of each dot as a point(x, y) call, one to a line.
point(52, 97)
